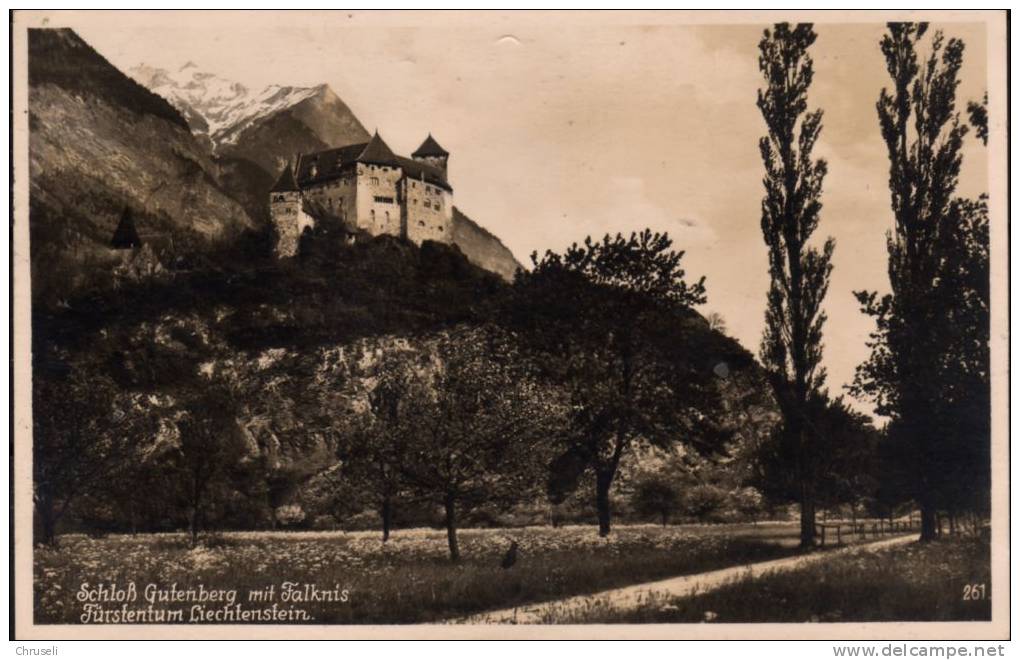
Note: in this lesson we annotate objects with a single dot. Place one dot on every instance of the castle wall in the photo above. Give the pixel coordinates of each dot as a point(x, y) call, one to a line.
point(290, 220)
point(337, 197)
point(429, 211)
point(377, 199)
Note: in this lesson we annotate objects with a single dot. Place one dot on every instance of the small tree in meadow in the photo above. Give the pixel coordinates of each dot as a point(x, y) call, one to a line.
point(656, 495)
point(381, 432)
point(209, 456)
point(84, 433)
point(479, 427)
point(703, 500)
point(612, 326)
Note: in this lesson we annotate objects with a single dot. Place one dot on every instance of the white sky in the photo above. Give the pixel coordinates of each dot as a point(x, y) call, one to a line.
point(564, 125)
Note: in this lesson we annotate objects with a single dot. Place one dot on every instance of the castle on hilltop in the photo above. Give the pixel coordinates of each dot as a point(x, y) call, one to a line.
point(367, 188)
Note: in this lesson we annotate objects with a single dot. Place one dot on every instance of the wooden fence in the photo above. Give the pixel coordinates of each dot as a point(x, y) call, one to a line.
point(845, 531)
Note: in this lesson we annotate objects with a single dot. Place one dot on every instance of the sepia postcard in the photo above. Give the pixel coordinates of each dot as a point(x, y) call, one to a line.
point(497, 324)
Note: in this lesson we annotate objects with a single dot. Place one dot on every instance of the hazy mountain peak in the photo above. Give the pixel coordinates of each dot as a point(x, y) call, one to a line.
point(216, 107)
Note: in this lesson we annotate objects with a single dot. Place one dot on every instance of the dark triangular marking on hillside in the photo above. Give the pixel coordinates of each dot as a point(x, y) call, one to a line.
point(125, 237)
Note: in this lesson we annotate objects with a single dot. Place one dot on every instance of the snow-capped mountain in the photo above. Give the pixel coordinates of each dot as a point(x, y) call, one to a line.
point(222, 109)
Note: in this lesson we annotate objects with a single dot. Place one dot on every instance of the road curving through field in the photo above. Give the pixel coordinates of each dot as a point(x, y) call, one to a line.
point(631, 597)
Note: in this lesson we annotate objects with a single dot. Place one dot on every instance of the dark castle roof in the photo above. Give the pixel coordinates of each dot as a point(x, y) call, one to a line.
point(286, 182)
point(430, 148)
point(125, 237)
point(377, 152)
point(331, 163)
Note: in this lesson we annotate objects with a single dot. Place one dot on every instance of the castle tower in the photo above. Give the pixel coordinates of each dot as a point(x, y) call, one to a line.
point(285, 211)
point(432, 154)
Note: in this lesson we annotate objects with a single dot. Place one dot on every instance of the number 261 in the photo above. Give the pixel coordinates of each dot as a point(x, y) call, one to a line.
point(974, 591)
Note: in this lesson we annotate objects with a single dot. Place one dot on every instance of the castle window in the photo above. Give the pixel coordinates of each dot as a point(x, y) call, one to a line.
point(371, 214)
point(383, 200)
point(387, 217)
point(375, 181)
point(421, 223)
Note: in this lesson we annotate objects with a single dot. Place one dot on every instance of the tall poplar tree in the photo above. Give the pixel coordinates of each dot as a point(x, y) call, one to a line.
point(929, 349)
point(791, 349)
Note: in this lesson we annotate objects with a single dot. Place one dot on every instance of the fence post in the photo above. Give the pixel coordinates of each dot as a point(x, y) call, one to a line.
point(839, 535)
point(823, 536)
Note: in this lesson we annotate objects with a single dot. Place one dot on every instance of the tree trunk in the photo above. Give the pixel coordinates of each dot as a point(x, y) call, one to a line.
point(193, 526)
point(807, 515)
point(451, 528)
point(386, 513)
point(48, 521)
point(603, 480)
point(928, 522)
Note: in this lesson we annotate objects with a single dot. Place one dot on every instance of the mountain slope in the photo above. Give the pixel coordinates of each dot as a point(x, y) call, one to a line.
point(100, 142)
point(482, 247)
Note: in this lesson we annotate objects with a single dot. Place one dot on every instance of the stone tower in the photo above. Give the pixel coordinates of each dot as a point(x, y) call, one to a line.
point(285, 209)
point(432, 154)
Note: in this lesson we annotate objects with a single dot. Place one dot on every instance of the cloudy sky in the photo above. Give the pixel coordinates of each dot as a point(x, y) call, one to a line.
point(563, 125)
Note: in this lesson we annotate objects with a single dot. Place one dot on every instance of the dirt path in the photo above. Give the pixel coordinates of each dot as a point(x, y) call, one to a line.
point(686, 585)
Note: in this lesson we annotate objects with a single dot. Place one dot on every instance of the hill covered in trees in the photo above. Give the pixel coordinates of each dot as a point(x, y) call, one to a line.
point(267, 381)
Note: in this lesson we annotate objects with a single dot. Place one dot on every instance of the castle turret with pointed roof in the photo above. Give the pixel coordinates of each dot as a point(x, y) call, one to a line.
point(366, 188)
point(431, 153)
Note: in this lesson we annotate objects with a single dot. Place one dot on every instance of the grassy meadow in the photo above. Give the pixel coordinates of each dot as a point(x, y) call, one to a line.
point(406, 580)
point(940, 581)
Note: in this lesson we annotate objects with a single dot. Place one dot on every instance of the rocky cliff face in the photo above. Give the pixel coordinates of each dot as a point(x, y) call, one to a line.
point(482, 248)
point(99, 142)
